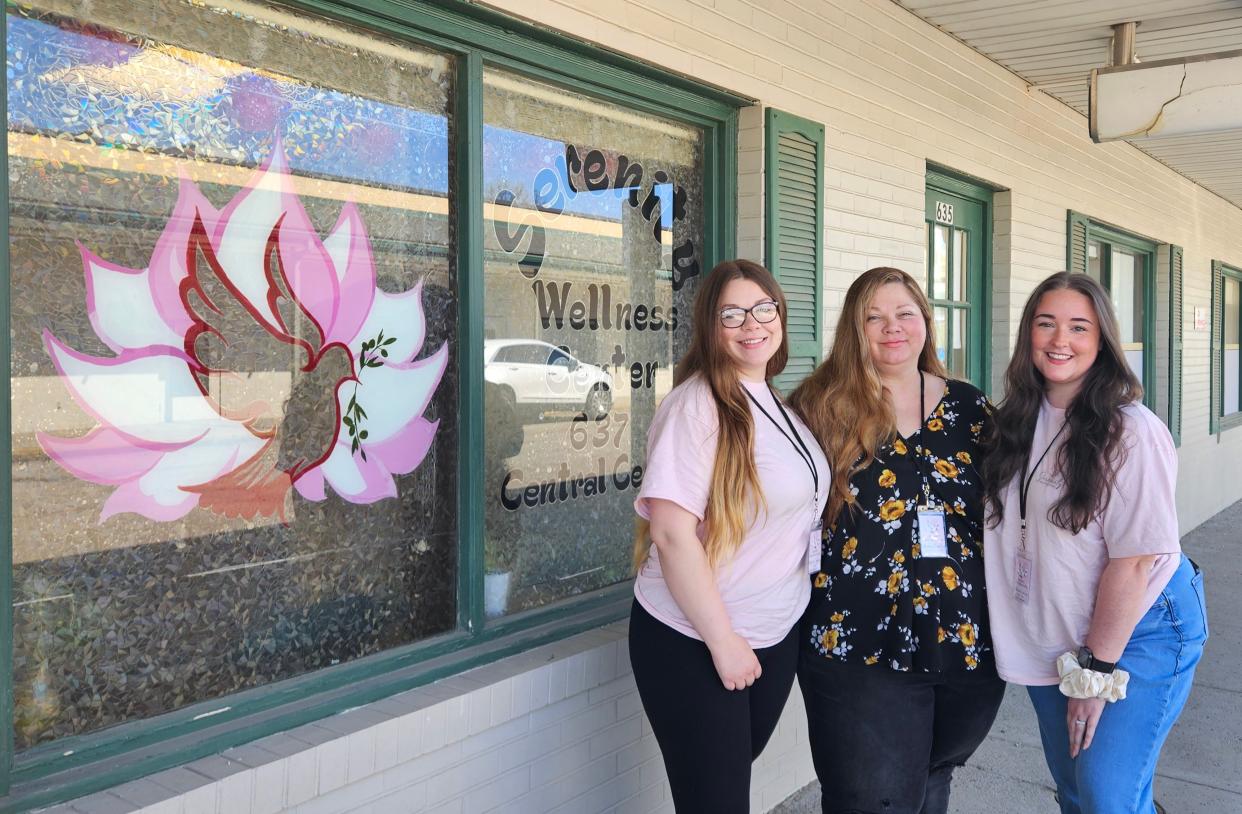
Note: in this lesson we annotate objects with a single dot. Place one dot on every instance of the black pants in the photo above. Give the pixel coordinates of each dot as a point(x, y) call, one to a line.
point(886, 742)
point(708, 735)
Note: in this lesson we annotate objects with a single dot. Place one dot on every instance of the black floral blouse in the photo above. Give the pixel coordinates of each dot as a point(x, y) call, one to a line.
point(875, 599)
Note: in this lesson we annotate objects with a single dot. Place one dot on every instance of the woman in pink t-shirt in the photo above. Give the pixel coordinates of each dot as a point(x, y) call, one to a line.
point(731, 495)
point(1090, 597)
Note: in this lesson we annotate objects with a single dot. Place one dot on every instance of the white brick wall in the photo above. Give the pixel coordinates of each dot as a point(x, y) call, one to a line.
point(894, 94)
point(555, 730)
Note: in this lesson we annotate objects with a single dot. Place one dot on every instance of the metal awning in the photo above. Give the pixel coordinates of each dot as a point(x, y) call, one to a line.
point(1054, 45)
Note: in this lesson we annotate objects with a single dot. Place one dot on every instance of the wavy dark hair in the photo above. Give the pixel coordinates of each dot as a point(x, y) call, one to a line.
point(1092, 450)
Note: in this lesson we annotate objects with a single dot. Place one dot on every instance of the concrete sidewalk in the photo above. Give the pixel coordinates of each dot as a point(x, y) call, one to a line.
point(1200, 770)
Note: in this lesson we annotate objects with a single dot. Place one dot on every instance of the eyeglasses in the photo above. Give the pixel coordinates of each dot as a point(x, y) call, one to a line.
point(765, 311)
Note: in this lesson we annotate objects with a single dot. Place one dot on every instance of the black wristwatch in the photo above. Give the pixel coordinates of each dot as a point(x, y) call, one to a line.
point(1088, 661)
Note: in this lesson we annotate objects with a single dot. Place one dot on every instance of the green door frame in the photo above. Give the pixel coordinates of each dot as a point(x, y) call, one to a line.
point(942, 184)
point(1146, 250)
point(475, 36)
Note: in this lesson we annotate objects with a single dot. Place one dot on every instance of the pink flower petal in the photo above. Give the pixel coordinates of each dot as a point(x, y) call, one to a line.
point(403, 452)
point(400, 315)
point(393, 394)
point(311, 485)
point(129, 497)
point(122, 309)
point(350, 251)
point(168, 261)
point(102, 456)
point(148, 394)
point(306, 263)
point(242, 231)
point(356, 480)
point(241, 236)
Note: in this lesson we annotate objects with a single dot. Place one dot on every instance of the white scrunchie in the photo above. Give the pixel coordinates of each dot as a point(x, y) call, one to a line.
point(1078, 682)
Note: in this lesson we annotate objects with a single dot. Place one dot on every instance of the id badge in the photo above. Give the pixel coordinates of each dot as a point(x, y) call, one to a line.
point(933, 541)
point(1023, 574)
point(814, 547)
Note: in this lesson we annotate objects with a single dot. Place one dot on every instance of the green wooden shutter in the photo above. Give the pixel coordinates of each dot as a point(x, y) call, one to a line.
point(794, 233)
point(1076, 243)
point(1176, 318)
point(1218, 345)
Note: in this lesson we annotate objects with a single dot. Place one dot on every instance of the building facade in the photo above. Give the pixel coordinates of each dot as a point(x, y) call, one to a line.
point(336, 327)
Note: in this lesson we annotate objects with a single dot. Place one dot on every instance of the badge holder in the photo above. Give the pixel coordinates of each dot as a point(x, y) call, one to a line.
point(1023, 570)
point(814, 546)
point(933, 537)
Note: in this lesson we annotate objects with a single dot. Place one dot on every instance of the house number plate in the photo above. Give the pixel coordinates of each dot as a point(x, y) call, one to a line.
point(944, 212)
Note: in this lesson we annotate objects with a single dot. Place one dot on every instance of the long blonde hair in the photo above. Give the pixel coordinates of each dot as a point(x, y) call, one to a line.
point(843, 401)
point(735, 495)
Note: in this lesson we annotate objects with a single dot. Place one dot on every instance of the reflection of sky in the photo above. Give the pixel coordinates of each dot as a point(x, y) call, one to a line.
point(119, 94)
point(529, 166)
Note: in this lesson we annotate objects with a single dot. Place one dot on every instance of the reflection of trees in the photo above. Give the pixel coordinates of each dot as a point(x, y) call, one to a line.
point(521, 195)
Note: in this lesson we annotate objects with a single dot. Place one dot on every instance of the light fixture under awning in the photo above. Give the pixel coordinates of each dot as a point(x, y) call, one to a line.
point(1172, 97)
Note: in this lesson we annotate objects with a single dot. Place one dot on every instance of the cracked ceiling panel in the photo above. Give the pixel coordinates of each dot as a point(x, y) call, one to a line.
point(1168, 98)
point(1053, 45)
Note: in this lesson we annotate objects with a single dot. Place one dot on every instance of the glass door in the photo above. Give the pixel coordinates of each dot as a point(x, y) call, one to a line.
point(956, 248)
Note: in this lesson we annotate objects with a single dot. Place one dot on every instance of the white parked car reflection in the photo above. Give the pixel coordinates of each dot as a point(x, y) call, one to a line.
point(540, 376)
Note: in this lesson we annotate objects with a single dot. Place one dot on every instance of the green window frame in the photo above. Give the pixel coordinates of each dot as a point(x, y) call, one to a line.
point(1081, 232)
point(793, 172)
point(1176, 331)
point(974, 202)
point(475, 37)
point(1219, 420)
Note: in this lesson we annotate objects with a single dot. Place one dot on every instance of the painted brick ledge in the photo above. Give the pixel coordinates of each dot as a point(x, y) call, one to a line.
point(404, 743)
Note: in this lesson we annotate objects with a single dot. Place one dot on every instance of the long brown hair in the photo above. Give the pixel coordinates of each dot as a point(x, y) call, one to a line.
point(843, 401)
point(1092, 449)
point(735, 494)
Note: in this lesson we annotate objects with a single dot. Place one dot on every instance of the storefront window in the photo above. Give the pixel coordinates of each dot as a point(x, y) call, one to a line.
point(1124, 272)
point(594, 238)
point(234, 377)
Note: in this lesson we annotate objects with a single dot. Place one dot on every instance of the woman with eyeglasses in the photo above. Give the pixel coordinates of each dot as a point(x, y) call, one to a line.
point(730, 503)
point(896, 661)
point(1097, 611)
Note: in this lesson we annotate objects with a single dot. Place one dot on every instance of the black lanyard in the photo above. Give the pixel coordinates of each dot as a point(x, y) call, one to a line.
point(918, 457)
point(1024, 485)
point(800, 447)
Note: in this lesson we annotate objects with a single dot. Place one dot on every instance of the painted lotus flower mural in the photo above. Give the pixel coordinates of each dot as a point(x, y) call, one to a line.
point(252, 359)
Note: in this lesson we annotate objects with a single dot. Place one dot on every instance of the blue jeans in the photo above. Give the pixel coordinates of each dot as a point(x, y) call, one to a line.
point(1115, 775)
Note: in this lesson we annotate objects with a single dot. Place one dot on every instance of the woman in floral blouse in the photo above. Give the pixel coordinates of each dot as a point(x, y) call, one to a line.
point(896, 662)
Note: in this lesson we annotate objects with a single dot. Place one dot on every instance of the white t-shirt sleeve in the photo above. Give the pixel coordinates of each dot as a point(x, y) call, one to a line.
point(681, 451)
point(1142, 515)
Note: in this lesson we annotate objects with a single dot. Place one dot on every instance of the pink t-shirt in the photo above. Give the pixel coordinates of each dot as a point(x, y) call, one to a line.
point(765, 586)
point(1141, 519)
